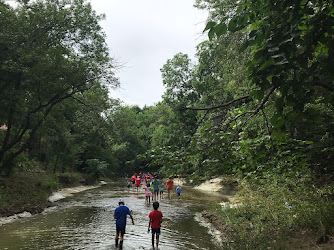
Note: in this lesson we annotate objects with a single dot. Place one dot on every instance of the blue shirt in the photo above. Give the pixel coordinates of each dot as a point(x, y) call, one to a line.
point(156, 184)
point(178, 190)
point(120, 213)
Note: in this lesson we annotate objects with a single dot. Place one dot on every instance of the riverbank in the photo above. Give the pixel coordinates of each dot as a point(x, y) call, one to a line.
point(274, 214)
point(55, 196)
point(208, 218)
point(26, 194)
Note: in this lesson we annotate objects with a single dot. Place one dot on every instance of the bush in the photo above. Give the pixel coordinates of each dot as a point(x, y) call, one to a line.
point(274, 209)
point(69, 179)
point(95, 169)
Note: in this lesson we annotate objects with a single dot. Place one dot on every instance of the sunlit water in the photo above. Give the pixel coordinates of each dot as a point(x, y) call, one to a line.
point(85, 221)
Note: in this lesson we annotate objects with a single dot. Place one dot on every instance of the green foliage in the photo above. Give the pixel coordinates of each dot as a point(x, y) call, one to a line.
point(40, 68)
point(290, 44)
point(272, 210)
point(260, 84)
point(96, 168)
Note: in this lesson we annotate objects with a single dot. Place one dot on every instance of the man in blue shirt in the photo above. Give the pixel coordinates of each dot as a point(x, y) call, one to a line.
point(120, 215)
point(156, 184)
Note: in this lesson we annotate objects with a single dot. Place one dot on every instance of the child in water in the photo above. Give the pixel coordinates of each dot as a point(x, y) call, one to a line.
point(148, 193)
point(161, 189)
point(155, 223)
point(178, 191)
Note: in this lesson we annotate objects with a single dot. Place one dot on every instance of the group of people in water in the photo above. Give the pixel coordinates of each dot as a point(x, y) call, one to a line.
point(154, 187)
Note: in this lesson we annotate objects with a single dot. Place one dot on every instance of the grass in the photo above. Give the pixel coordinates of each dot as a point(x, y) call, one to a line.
point(28, 191)
point(276, 212)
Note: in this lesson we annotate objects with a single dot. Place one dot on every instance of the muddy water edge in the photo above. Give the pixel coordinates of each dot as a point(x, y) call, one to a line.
point(85, 221)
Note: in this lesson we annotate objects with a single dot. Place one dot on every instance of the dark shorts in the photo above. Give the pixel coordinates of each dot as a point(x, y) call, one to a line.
point(178, 194)
point(120, 230)
point(156, 231)
point(133, 182)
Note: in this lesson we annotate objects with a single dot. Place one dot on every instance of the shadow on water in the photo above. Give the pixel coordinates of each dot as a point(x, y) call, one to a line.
point(85, 221)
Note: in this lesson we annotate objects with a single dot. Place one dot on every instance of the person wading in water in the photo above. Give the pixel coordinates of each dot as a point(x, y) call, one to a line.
point(120, 215)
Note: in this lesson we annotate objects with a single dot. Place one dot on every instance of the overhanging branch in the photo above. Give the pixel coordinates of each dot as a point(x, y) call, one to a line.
point(216, 107)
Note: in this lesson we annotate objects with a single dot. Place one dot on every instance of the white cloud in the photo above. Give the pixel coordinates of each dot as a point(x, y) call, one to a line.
point(143, 35)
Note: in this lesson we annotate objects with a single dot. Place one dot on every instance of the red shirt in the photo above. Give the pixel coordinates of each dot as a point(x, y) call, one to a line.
point(138, 180)
point(133, 178)
point(169, 184)
point(155, 218)
point(147, 177)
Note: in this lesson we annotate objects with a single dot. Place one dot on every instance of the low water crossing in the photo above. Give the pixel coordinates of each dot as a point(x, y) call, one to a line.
point(85, 221)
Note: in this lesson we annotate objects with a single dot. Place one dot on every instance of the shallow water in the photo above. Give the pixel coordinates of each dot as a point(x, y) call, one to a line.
point(85, 221)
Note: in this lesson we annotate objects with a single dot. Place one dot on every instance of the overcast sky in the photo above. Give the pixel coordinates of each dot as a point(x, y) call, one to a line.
point(142, 35)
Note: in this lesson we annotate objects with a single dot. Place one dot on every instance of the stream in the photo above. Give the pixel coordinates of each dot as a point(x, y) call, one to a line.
point(85, 221)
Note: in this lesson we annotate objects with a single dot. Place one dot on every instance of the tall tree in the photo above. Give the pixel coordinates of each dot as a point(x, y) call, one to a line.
point(50, 51)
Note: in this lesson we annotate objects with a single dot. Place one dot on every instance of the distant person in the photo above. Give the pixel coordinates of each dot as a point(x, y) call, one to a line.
point(147, 177)
point(155, 219)
point(120, 215)
point(155, 184)
point(138, 182)
point(169, 184)
point(161, 189)
point(133, 179)
point(178, 191)
point(148, 193)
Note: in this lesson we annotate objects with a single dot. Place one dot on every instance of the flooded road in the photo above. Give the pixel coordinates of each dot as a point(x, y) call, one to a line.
point(85, 221)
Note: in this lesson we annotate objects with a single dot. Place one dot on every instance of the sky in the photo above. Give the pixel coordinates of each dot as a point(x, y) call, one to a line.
point(142, 35)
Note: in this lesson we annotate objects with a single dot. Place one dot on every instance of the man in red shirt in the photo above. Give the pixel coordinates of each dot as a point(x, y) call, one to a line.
point(170, 183)
point(155, 222)
point(138, 182)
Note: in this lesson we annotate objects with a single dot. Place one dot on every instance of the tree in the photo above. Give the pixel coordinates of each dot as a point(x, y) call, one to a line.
point(50, 51)
point(292, 46)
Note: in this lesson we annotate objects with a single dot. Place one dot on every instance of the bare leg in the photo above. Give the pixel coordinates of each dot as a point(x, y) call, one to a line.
point(157, 241)
point(153, 240)
point(121, 241)
point(170, 193)
point(116, 239)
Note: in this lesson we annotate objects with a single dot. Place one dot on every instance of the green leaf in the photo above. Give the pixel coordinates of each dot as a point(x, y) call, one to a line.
point(211, 34)
point(279, 103)
point(209, 25)
point(265, 65)
point(258, 94)
point(232, 25)
point(220, 29)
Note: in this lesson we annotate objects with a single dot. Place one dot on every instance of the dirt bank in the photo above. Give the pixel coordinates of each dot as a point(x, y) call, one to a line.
point(210, 219)
point(56, 196)
point(219, 184)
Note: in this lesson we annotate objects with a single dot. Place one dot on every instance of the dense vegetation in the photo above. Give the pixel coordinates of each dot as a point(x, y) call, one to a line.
point(257, 105)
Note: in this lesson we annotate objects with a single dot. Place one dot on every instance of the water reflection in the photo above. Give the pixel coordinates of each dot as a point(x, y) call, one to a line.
point(85, 221)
